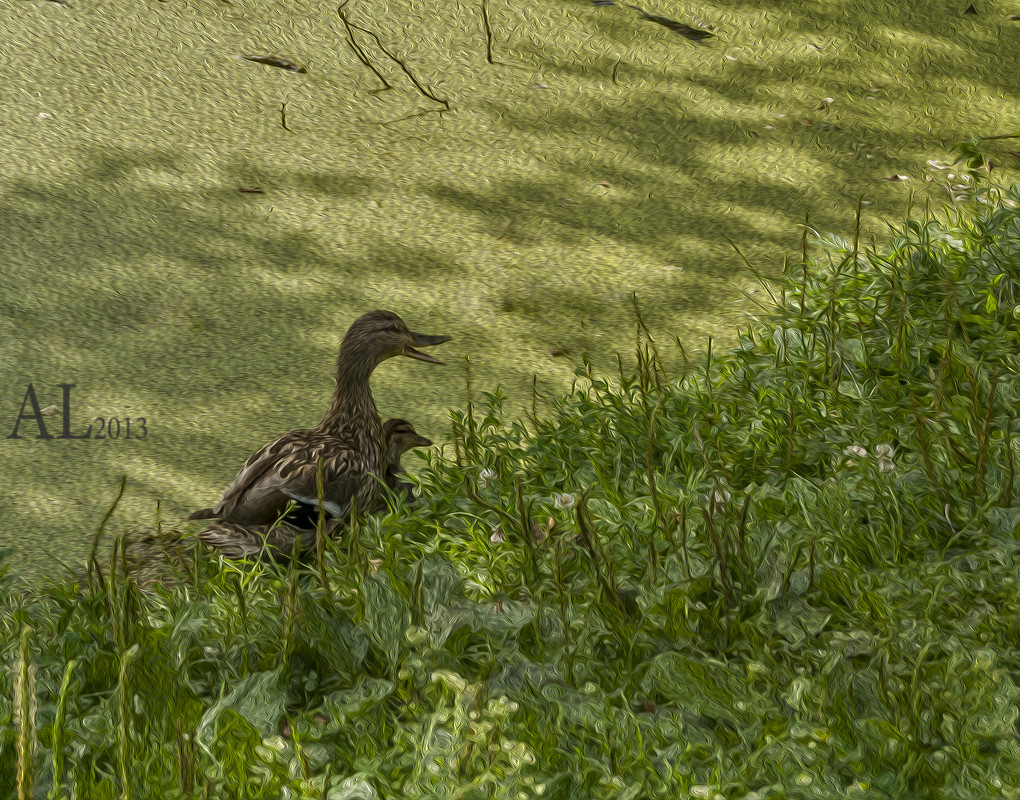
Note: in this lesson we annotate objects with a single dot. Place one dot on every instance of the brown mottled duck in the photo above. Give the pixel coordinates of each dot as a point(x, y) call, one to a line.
point(348, 442)
point(240, 541)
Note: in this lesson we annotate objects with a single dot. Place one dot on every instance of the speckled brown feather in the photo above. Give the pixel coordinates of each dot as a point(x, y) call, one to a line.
point(235, 540)
point(285, 470)
point(252, 541)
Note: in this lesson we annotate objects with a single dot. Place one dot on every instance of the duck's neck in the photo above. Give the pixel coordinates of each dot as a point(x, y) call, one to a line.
point(352, 414)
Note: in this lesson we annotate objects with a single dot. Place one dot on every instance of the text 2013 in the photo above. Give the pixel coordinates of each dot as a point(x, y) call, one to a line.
point(109, 427)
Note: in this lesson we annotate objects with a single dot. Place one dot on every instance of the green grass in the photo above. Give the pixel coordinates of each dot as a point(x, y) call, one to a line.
point(134, 268)
point(785, 570)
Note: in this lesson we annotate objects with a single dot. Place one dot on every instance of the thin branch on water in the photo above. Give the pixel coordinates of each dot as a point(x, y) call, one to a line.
point(488, 33)
point(353, 44)
point(412, 116)
point(425, 92)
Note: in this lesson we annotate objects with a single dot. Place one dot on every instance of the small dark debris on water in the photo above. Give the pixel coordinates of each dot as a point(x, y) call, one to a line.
point(252, 190)
point(1014, 17)
point(559, 351)
point(274, 61)
point(603, 3)
point(694, 34)
point(58, 2)
point(970, 10)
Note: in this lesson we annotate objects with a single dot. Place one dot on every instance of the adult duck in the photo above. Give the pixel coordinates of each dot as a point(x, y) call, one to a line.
point(349, 442)
point(248, 541)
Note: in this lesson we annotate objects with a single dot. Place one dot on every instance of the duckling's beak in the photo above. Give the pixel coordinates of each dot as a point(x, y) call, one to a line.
point(420, 340)
point(421, 441)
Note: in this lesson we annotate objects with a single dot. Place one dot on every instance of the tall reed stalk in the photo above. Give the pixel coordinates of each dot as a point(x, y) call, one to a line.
point(24, 713)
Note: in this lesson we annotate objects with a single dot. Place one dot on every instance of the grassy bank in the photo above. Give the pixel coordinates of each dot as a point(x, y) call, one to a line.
point(788, 570)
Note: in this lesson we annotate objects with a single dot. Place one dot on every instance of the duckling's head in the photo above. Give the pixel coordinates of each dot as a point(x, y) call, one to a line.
point(400, 438)
point(379, 335)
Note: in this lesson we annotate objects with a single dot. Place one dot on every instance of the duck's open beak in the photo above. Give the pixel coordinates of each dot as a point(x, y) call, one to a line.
point(420, 340)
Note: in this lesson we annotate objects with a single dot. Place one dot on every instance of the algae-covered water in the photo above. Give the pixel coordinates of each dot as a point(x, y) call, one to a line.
point(600, 155)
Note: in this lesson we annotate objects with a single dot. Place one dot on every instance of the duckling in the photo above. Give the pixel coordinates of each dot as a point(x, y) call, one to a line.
point(401, 437)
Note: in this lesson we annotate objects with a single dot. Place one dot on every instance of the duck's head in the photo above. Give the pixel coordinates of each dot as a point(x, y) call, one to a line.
point(400, 438)
point(379, 335)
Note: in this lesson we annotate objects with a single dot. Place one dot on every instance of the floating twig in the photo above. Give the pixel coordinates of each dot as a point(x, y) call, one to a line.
point(694, 34)
point(488, 33)
point(412, 116)
point(425, 92)
point(353, 43)
point(276, 61)
point(283, 117)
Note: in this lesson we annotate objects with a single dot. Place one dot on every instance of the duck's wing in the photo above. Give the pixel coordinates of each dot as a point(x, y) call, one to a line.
point(285, 470)
point(254, 541)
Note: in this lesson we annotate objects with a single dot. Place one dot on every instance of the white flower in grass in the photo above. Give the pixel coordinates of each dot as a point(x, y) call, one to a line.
point(487, 477)
point(498, 537)
point(565, 501)
point(884, 454)
point(854, 450)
